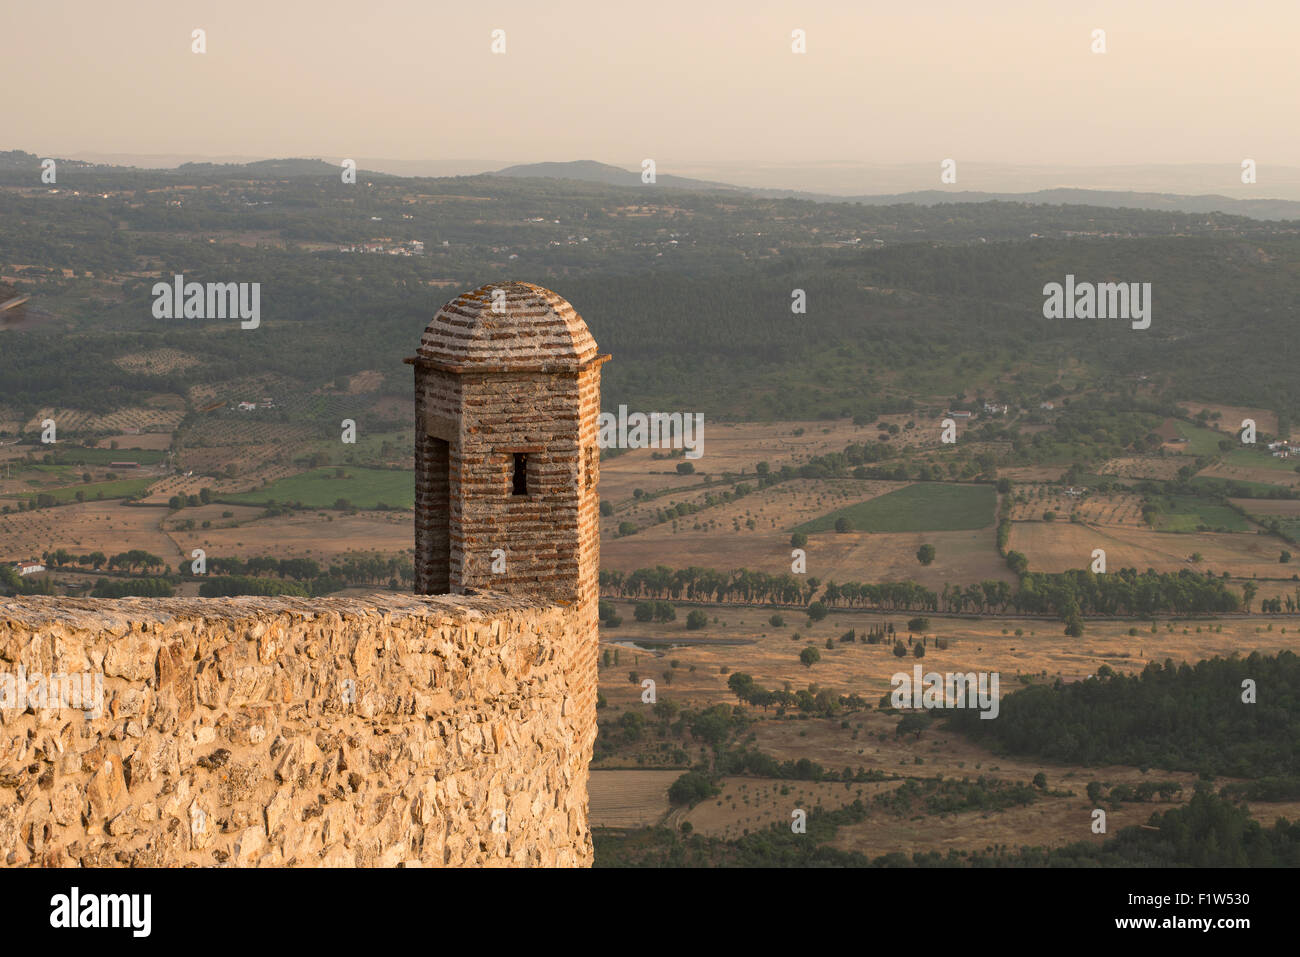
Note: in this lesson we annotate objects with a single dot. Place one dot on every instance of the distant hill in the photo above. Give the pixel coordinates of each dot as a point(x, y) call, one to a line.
point(17, 159)
point(20, 160)
point(1111, 199)
point(271, 169)
point(257, 169)
point(589, 171)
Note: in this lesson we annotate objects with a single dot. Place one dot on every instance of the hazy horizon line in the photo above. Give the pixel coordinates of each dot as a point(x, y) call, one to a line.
point(832, 178)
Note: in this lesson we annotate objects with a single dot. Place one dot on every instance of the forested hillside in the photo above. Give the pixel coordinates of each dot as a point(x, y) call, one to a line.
point(691, 291)
point(1177, 717)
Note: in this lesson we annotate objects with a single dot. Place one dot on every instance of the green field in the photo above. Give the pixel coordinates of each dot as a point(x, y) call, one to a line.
point(321, 488)
point(368, 448)
point(1257, 489)
point(1185, 513)
point(1288, 525)
point(1201, 441)
point(71, 455)
point(1250, 459)
point(924, 507)
point(94, 490)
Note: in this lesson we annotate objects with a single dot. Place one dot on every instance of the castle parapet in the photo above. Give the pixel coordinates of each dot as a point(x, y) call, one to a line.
point(383, 730)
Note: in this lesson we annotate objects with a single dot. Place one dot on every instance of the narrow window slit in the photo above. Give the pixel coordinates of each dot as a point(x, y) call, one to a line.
point(521, 474)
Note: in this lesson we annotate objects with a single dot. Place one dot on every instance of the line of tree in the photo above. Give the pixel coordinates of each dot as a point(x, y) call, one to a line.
point(300, 569)
point(372, 569)
point(1123, 592)
point(810, 700)
point(178, 502)
point(1070, 594)
point(132, 587)
point(707, 584)
point(129, 561)
point(226, 586)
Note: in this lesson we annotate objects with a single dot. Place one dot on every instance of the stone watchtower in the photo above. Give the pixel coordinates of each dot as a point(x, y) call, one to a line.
point(507, 473)
point(507, 397)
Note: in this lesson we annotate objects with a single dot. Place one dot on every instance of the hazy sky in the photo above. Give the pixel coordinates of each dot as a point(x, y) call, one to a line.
point(706, 80)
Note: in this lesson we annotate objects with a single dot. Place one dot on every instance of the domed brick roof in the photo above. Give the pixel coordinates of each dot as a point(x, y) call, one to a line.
point(535, 328)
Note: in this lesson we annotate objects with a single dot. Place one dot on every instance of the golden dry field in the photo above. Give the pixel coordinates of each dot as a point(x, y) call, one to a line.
point(161, 414)
point(629, 798)
point(112, 527)
point(107, 526)
point(868, 740)
point(1231, 416)
point(319, 535)
point(1061, 545)
point(1287, 478)
point(1116, 508)
point(1144, 467)
point(853, 556)
point(771, 653)
point(739, 447)
point(1031, 473)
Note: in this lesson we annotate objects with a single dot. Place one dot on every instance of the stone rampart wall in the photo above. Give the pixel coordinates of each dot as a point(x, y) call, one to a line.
point(384, 730)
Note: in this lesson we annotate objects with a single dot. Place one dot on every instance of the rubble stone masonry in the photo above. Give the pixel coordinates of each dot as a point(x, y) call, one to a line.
point(389, 730)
